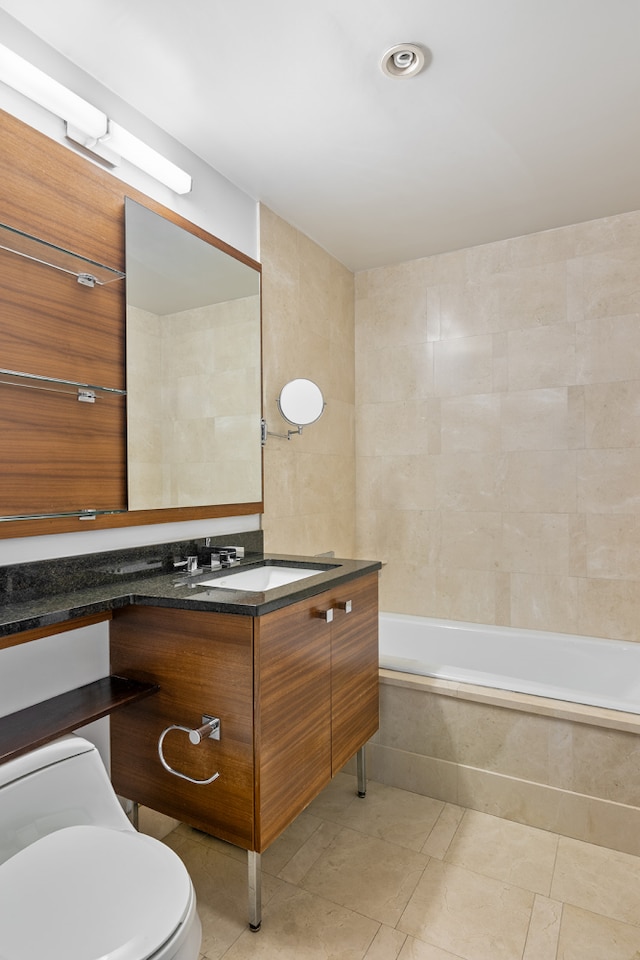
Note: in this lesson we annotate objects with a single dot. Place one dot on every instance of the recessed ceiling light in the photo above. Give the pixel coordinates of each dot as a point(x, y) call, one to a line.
point(403, 60)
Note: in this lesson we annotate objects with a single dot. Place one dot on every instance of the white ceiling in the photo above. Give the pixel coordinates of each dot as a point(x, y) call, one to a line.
point(527, 117)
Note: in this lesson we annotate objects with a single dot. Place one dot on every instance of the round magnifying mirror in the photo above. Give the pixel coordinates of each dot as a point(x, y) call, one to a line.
point(301, 402)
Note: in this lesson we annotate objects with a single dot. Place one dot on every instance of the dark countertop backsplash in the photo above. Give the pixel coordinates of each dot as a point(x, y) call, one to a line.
point(22, 582)
point(48, 592)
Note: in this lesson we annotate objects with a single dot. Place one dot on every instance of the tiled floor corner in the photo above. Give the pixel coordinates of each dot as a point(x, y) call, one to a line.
point(398, 876)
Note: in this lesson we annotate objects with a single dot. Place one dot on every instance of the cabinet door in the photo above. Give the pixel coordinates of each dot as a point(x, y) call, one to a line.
point(203, 663)
point(354, 668)
point(293, 713)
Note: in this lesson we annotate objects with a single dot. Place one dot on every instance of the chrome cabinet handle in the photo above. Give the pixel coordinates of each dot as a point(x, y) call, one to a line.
point(200, 734)
point(345, 605)
point(324, 614)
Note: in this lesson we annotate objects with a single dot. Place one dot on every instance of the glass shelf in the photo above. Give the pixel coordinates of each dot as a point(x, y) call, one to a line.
point(84, 391)
point(88, 272)
point(71, 514)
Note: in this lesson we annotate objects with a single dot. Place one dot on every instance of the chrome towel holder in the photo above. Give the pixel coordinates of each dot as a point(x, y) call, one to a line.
point(210, 730)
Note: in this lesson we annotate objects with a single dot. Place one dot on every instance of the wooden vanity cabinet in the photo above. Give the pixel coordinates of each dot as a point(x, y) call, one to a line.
point(354, 668)
point(296, 694)
point(203, 664)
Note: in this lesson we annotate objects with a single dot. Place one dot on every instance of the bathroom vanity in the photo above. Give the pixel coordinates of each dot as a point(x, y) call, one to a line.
point(291, 673)
point(296, 695)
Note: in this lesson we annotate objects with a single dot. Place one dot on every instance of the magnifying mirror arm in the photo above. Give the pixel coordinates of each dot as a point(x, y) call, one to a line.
point(300, 403)
point(283, 436)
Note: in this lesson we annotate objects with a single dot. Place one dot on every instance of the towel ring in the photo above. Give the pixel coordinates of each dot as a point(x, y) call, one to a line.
point(176, 773)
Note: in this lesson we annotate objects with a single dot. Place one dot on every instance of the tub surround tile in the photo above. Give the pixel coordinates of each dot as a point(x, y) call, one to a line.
point(607, 347)
point(613, 546)
point(471, 597)
point(537, 543)
point(471, 481)
point(541, 481)
point(542, 357)
point(609, 608)
point(612, 414)
point(385, 482)
point(535, 346)
point(590, 819)
point(606, 481)
point(470, 423)
point(537, 420)
point(407, 586)
point(525, 759)
point(603, 763)
point(411, 771)
point(538, 599)
point(522, 702)
point(471, 540)
point(396, 372)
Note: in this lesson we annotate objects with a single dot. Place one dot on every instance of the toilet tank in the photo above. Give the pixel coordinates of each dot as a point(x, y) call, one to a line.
point(58, 785)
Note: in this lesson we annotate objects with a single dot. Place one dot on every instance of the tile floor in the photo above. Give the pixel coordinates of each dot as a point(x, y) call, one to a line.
point(398, 876)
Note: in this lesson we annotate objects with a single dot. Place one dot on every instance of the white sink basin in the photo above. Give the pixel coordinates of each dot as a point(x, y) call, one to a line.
point(261, 578)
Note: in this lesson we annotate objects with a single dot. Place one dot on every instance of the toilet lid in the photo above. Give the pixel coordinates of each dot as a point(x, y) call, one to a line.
point(84, 893)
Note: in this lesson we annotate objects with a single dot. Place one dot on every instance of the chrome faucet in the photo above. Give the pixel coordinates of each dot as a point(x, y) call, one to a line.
point(191, 563)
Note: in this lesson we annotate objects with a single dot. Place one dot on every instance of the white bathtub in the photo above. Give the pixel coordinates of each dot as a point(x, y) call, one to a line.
point(589, 670)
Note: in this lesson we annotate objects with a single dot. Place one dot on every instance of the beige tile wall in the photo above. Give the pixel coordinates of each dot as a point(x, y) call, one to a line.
point(307, 331)
point(194, 390)
point(549, 766)
point(498, 430)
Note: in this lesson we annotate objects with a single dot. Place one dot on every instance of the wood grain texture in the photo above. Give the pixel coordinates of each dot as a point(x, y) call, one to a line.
point(293, 715)
point(85, 466)
point(354, 669)
point(52, 326)
point(203, 663)
point(27, 729)
point(26, 636)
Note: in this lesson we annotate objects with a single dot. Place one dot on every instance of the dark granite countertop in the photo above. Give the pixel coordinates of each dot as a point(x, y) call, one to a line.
point(45, 607)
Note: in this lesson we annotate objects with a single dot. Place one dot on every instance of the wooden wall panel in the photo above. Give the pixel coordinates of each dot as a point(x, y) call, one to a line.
point(52, 326)
point(81, 470)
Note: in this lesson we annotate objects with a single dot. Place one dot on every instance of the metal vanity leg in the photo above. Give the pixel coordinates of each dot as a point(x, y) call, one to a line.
point(255, 890)
point(361, 769)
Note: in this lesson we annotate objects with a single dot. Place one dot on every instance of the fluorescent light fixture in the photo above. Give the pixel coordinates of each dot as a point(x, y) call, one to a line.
point(88, 126)
point(130, 148)
point(42, 89)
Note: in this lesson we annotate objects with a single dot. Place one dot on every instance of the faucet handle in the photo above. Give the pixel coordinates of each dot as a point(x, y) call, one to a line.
point(191, 563)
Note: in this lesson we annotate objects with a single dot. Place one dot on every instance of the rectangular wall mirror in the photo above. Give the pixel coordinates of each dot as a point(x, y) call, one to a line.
point(193, 368)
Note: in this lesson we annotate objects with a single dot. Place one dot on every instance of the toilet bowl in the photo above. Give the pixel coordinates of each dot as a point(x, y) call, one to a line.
point(77, 882)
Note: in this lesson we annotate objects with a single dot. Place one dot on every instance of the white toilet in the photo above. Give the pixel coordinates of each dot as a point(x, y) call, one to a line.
point(77, 882)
